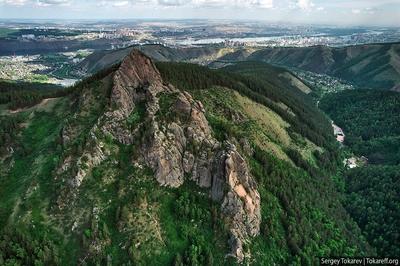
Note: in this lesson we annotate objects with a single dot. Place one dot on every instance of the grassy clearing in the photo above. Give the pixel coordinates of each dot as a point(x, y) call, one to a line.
point(260, 125)
point(273, 125)
point(263, 142)
point(307, 151)
point(296, 82)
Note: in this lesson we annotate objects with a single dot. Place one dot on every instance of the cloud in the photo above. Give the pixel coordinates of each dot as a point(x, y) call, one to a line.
point(121, 3)
point(14, 2)
point(263, 3)
point(218, 3)
point(149, 3)
point(53, 2)
point(364, 11)
point(208, 3)
point(370, 10)
point(173, 2)
point(305, 4)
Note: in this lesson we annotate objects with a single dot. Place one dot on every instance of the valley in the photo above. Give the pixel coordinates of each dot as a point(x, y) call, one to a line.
point(50, 68)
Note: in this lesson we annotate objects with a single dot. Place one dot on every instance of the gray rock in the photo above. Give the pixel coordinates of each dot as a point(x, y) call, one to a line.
point(188, 162)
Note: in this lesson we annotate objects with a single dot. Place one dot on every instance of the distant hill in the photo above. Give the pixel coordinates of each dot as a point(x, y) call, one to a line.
point(32, 47)
point(160, 53)
point(366, 66)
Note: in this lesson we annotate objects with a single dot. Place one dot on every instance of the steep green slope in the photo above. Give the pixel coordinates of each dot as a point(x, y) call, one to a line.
point(371, 122)
point(129, 169)
point(317, 59)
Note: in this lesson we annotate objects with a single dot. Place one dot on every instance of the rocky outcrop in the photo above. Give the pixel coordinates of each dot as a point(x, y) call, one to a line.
point(233, 185)
point(176, 148)
point(135, 79)
point(170, 151)
point(241, 203)
point(186, 147)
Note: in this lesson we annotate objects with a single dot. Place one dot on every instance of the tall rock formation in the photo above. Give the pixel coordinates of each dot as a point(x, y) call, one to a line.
point(176, 147)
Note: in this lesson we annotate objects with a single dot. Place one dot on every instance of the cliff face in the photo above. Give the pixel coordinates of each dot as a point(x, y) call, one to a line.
point(175, 141)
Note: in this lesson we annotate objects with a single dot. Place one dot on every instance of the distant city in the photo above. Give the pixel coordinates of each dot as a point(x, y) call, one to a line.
point(194, 32)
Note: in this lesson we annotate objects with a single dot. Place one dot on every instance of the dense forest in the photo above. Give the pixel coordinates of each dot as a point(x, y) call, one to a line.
point(25, 94)
point(370, 120)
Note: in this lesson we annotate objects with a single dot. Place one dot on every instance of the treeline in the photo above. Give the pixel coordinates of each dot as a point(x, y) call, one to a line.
point(370, 120)
point(259, 82)
point(24, 94)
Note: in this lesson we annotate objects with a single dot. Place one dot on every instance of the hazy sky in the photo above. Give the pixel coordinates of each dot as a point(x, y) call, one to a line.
point(340, 12)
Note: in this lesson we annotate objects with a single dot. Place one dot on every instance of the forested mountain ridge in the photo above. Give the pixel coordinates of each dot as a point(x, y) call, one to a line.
point(173, 163)
point(366, 66)
point(103, 59)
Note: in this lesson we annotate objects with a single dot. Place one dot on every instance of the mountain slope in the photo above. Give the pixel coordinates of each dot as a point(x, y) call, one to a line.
point(368, 66)
point(172, 163)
